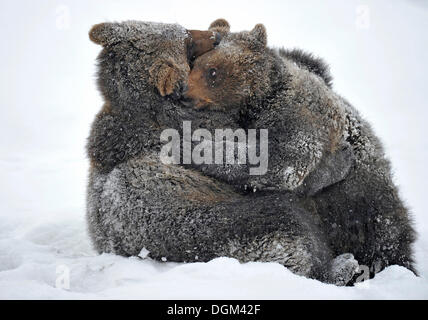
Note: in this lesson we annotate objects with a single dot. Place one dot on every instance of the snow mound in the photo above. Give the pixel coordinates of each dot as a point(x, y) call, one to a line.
point(54, 260)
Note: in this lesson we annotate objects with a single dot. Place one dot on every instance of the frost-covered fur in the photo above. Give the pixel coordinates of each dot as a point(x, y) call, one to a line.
point(319, 146)
point(308, 61)
point(178, 214)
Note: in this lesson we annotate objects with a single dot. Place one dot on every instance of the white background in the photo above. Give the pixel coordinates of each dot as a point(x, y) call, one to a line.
point(377, 52)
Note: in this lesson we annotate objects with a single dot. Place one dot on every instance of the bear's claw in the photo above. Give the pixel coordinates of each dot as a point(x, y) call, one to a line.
point(343, 269)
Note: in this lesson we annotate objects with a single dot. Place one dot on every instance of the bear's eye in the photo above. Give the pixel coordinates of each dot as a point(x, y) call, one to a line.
point(212, 73)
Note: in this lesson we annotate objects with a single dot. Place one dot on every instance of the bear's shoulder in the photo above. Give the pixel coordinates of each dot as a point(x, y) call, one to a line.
point(309, 62)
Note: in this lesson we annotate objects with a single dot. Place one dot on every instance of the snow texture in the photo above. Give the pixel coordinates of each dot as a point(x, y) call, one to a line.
point(49, 98)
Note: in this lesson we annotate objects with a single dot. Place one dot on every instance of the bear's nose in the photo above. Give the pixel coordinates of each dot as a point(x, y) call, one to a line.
point(184, 88)
point(184, 91)
point(217, 39)
point(187, 102)
point(179, 93)
point(185, 98)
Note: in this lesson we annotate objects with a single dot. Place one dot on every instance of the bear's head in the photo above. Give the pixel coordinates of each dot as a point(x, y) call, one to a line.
point(140, 56)
point(234, 72)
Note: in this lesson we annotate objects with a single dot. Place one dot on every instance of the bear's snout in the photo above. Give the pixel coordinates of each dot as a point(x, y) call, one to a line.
point(196, 95)
point(192, 102)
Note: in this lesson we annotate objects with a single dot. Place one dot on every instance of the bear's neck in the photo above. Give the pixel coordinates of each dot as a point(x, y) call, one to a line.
point(276, 86)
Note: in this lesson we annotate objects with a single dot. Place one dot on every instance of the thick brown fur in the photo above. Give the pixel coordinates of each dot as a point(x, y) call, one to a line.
point(136, 201)
point(320, 148)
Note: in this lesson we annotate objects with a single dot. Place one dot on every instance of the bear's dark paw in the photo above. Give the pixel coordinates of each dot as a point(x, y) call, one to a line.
point(343, 269)
point(169, 79)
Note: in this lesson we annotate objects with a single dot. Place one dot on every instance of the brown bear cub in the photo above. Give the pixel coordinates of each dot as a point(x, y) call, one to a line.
point(163, 55)
point(320, 148)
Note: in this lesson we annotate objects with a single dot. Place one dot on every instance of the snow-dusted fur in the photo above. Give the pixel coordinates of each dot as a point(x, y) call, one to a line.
point(135, 202)
point(319, 146)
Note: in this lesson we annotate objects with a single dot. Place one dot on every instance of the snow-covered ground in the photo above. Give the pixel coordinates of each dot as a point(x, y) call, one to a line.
point(48, 98)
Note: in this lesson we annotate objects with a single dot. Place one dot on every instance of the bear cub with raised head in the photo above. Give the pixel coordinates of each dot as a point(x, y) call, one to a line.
point(319, 146)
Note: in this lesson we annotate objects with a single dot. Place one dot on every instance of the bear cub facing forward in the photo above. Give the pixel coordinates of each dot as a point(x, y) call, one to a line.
point(319, 146)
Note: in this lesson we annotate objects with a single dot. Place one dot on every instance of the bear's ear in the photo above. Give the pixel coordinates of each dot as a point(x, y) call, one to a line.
point(259, 32)
point(104, 33)
point(202, 41)
point(220, 25)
